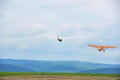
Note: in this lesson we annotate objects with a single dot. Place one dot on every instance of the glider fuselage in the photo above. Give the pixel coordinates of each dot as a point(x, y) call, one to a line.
point(59, 39)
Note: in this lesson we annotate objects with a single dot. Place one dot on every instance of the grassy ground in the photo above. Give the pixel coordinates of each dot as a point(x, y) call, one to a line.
point(55, 73)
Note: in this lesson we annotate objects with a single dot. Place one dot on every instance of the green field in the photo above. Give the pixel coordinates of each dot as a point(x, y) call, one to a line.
point(55, 73)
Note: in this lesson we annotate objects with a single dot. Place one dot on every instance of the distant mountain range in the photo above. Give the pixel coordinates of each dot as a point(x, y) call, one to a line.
point(11, 65)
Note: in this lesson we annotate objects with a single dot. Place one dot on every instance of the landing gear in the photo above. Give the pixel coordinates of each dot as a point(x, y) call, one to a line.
point(104, 50)
point(101, 50)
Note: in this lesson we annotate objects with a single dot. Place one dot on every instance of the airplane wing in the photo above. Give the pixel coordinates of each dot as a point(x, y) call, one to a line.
point(93, 46)
point(52, 37)
point(109, 46)
point(71, 38)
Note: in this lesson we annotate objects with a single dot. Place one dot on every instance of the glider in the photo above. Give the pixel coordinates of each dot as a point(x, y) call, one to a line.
point(59, 39)
point(101, 48)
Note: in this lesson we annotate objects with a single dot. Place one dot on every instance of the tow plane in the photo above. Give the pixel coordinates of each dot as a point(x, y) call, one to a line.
point(101, 48)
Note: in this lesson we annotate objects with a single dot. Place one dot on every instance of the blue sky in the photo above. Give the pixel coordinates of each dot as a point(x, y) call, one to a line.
point(24, 25)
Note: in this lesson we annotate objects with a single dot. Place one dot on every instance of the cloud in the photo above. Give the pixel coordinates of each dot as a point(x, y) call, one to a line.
point(25, 25)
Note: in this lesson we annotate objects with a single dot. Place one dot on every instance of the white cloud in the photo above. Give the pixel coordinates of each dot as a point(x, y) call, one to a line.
point(103, 9)
point(26, 22)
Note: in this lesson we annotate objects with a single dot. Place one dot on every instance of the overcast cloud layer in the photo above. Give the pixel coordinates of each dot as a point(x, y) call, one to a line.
point(26, 23)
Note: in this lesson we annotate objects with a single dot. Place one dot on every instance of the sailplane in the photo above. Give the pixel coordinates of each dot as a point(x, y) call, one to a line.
point(60, 39)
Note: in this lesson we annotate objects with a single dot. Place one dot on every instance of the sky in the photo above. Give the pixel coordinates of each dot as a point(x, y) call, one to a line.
point(25, 25)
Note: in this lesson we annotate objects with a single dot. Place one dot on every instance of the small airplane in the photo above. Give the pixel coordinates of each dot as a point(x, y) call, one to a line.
point(101, 48)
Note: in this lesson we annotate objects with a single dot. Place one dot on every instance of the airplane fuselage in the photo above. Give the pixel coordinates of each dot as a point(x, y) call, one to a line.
point(100, 48)
point(60, 40)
